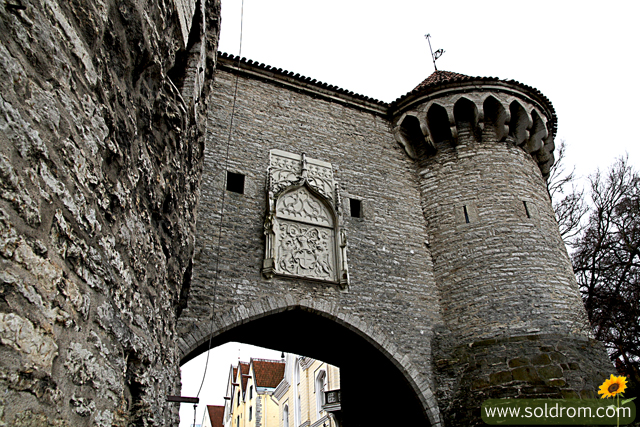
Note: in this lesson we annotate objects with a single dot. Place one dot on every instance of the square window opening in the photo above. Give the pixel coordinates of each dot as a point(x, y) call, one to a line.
point(355, 206)
point(235, 182)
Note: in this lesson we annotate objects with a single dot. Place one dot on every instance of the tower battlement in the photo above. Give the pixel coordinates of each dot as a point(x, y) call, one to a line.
point(454, 108)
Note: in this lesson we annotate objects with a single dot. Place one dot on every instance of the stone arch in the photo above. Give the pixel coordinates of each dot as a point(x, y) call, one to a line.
point(466, 115)
point(313, 206)
point(495, 119)
point(414, 136)
point(520, 123)
point(545, 156)
point(439, 126)
point(537, 134)
point(242, 316)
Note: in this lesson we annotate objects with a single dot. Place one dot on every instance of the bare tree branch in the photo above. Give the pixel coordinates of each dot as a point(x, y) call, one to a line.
point(567, 199)
point(606, 261)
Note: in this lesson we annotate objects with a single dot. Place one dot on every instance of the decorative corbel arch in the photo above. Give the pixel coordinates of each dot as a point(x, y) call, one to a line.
point(439, 123)
point(496, 118)
point(305, 237)
point(520, 123)
point(537, 134)
point(467, 115)
point(412, 133)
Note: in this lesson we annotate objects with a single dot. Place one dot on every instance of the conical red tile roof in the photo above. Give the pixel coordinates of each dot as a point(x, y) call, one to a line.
point(440, 76)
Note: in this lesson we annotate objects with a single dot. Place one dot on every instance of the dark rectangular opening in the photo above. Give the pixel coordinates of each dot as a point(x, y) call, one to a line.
point(466, 214)
point(355, 206)
point(235, 182)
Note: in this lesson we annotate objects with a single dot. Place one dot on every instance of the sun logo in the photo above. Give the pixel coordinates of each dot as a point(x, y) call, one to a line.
point(612, 386)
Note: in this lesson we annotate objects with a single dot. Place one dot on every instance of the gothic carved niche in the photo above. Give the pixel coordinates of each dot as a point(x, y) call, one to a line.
point(303, 224)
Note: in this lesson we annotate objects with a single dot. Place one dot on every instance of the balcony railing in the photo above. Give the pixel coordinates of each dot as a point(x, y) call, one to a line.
point(332, 401)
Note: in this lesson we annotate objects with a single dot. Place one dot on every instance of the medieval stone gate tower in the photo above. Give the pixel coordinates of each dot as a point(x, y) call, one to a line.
point(423, 227)
point(412, 244)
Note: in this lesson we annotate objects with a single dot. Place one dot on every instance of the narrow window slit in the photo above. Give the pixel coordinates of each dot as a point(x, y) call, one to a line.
point(466, 214)
point(526, 209)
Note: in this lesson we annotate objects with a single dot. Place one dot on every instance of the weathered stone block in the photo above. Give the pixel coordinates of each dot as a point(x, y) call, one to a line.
point(541, 359)
point(550, 371)
point(502, 377)
point(556, 382)
point(482, 383)
point(525, 373)
point(519, 361)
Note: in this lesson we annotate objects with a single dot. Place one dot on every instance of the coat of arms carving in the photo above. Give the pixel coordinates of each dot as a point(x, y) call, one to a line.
point(303, 224)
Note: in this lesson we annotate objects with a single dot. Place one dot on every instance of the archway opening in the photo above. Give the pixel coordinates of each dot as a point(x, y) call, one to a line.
point(374, 391)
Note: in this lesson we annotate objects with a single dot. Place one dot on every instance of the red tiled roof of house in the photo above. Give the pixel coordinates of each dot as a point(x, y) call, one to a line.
point(244, 370)
point(268, 373)
point(216, 415)
point(440, 76)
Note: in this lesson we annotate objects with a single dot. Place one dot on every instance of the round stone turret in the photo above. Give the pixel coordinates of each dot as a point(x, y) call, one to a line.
point(457, 109)
point(483, 148)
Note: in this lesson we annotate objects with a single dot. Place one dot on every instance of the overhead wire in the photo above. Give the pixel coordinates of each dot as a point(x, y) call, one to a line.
point(224, 181)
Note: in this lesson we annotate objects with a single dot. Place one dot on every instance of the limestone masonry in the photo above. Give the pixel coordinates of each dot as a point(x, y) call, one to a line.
point(412, 244)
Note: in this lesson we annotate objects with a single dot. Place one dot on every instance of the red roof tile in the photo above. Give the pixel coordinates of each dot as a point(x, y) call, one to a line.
point(216, 415)
point(438, 77)
point(268, 373)
point(244, 370)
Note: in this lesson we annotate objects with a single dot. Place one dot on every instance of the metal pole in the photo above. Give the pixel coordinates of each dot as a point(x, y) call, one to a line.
point(433, 58)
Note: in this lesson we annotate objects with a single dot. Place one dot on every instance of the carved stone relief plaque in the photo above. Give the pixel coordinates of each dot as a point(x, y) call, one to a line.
point(303, 225)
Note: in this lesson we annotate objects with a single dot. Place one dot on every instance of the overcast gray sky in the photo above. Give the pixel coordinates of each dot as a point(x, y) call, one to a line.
point(583, 55)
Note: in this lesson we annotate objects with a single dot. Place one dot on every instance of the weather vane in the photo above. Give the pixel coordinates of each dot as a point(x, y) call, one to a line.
point(434, 55)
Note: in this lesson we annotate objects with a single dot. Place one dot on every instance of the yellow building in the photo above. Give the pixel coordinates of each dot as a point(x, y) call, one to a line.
point(301, 393)
point(282, 393)
point(249, 401)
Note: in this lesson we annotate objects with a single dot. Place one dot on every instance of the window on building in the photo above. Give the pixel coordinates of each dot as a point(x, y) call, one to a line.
point(355, 206)
point(250, 413)
point(235, 182)
point(285, 416)
point(238, 421)
point(238, 404)
point(296, 393)
point(321, 380)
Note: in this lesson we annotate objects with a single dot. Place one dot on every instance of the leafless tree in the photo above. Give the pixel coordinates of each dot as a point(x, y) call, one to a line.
point(567, 198)
point(606, 261)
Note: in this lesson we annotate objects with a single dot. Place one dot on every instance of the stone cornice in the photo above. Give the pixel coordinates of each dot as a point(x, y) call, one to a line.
point(474, 84)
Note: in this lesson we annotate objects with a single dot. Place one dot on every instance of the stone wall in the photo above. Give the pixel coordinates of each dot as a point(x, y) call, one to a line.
point(100, 161)
point(391, 291)
point(535, 366)
point(504, 269)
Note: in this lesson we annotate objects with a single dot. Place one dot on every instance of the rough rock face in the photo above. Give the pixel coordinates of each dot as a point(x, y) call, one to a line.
point(100, 158)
